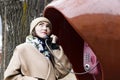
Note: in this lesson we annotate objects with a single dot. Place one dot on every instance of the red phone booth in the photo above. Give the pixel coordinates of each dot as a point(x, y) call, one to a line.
point(89, 31)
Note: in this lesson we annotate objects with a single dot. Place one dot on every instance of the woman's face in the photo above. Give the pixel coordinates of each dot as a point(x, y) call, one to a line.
point(43, 29)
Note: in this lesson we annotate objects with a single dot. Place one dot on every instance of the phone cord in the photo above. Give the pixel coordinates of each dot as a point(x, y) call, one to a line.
point(77, 73)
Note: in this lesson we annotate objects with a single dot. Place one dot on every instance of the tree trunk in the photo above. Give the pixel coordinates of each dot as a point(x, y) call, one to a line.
point(16, 18)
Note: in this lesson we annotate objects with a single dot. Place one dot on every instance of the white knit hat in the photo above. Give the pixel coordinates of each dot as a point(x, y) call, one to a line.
point(36, 21)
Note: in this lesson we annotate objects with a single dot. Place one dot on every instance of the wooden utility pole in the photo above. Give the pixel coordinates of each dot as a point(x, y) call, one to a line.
point(5, 38)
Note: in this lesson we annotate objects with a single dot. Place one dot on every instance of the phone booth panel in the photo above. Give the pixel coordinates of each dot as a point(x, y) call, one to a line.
point(89, 33)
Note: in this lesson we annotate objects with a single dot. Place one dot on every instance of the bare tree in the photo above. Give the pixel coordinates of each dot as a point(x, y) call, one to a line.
point(16, 17)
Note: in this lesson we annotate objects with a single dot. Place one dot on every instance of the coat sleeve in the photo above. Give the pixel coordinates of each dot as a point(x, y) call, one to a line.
point(62, 64)
point(13, 70)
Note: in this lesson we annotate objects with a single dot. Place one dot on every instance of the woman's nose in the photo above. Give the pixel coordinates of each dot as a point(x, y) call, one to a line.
point(44, 27)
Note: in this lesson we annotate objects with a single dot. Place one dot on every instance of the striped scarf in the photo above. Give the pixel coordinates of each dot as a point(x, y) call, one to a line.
point(39, 44)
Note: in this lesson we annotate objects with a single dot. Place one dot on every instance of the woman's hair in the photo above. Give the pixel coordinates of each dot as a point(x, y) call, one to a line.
point(33, 32)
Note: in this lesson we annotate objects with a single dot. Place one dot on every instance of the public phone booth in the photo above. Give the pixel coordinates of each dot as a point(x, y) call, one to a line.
point(89, 32)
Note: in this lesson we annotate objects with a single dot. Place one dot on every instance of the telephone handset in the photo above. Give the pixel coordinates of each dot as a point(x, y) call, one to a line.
point(89, 60)
point(49, 39)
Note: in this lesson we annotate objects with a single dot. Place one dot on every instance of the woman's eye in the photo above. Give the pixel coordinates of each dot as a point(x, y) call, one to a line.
point(40, 24)
point(47, 26)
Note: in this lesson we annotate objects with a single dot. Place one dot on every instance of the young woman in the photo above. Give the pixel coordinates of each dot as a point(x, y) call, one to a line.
point(39, 58)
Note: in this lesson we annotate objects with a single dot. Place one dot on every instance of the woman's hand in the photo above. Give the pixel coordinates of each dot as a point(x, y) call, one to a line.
point(54, 38)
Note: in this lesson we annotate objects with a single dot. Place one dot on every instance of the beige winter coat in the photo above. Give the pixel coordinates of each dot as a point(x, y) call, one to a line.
point(27, 63)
